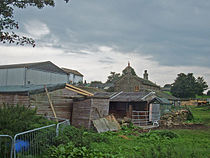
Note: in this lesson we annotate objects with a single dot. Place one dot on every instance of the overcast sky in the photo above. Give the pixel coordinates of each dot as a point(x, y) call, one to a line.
point(95, 37)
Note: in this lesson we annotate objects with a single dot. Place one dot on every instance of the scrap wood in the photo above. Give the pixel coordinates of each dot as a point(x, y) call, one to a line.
point(106, 124)
point(113, 119)
point(78, 90)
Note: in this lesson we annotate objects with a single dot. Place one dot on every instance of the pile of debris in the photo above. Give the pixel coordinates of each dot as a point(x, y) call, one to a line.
point(175, 118)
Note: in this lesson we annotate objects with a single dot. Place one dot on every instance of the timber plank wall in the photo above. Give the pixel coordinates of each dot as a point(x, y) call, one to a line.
point(14, 99)
point(60, 98)
point(61, 102)
point(89, 109)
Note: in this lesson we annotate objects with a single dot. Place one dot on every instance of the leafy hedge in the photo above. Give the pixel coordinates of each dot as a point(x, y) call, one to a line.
point(16, 119)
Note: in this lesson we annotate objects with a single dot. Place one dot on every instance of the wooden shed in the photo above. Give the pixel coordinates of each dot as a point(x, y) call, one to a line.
point(35, 96)
point(87, 109)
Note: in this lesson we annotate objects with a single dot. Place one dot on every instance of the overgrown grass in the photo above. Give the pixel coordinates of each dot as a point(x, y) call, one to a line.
point(201, 114)
point(130, 143)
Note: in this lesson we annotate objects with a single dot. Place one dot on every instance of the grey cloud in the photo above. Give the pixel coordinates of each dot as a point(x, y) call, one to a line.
point(174, 32)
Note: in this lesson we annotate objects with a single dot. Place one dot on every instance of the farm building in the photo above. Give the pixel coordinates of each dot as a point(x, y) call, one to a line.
point(130, 82)
point(61, 96)
point(39, 73)
point(141, 107)
point(73, 76)
point(36, 97)
point(82, 107)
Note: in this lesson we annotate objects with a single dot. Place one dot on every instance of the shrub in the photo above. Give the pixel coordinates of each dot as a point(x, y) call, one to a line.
point(16, 119)
point(79, 137)
point(70, 150)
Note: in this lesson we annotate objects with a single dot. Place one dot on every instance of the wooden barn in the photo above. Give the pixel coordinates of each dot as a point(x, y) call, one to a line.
point(37, 97)
point(60, 100)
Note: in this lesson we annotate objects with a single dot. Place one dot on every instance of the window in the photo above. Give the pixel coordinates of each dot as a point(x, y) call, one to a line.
point(136, 88)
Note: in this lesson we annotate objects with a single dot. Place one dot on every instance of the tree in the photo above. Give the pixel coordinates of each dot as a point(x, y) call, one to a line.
point(96, 84)
point(113, 77)
point(208, 93)
point(187, 86)
point(7, 21)
point(201, 86)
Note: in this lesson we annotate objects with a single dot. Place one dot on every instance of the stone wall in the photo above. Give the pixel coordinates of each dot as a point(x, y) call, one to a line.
point(130, 84)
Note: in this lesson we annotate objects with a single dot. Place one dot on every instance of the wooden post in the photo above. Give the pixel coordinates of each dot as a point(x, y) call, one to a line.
point(51, 104)
point(130, 111)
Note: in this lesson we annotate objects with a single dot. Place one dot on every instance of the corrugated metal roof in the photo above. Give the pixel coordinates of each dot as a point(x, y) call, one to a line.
point(46, 66)
point(31, 89)
point(105, 94)
point(129, 97)
point(163, 101)
point(68, 71)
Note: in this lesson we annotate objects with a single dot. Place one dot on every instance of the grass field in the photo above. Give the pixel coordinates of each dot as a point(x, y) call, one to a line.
point(130, 143)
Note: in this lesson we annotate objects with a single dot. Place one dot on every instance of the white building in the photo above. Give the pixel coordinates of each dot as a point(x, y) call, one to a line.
point(39, 73)
point(73, 76)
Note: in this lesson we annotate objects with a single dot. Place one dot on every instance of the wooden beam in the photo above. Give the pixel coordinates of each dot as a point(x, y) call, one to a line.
point(51, 104)
point(79, 89)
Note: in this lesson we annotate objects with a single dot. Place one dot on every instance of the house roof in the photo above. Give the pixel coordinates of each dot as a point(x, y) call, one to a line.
point(46, 66)
point(145, 82)
point(70, 71)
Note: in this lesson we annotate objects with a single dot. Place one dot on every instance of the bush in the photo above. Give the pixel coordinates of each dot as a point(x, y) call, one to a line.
point(16, 119)
point(79, 137)
point(70, 150)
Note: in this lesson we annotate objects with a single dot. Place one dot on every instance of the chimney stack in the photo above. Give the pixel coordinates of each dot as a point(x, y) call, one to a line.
point(145, 75)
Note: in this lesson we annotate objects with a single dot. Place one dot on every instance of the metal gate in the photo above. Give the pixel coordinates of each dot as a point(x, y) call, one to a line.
point(6, 146)
point(144, 118)
point(30, 143)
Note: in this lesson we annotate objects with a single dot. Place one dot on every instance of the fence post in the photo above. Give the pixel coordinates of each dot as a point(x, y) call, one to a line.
point(12, 144)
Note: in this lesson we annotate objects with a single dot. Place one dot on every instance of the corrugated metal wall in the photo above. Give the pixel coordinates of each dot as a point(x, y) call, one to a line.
point(75, 79)
point(11, 77)
point(78, 79)
point(16, 76)
point(40, 77)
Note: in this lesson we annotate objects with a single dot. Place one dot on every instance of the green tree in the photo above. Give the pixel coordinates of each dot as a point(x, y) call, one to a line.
point(187, 86)
point(201, 86)
point(113, 77)
point(96, 84)
point(208, 93)
point(8, 23)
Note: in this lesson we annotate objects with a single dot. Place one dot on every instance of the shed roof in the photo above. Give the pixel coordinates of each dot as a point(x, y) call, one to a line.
point(128, 97)
point(31, 89)
point(71, 71)
point(162, 101)
point(46, 66)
